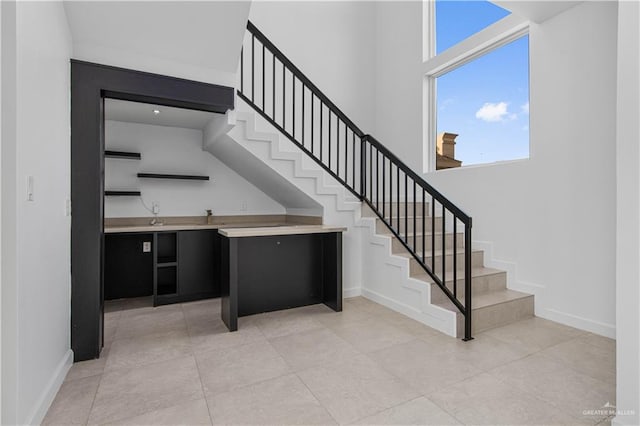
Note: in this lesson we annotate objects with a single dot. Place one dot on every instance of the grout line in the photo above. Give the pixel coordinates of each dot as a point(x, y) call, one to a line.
point(195, 359)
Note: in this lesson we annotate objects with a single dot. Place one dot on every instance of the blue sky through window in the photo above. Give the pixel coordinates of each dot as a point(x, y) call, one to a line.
point(486, 101)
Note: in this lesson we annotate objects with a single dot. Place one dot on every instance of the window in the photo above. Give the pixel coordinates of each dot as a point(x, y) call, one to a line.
point(477, 99)
point(457, 20)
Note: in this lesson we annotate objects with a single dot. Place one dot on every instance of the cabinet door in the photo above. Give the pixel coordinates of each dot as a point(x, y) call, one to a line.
point(196, 263)
point(128, 270)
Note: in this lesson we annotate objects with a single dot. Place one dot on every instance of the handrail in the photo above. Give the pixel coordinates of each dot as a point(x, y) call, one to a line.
point(353, 159)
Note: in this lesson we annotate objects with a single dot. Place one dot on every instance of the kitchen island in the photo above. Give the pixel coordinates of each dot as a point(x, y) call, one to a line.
point(279, 267)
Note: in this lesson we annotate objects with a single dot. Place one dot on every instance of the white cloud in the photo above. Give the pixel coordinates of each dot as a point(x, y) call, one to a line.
point(525, 108)
point(492, 112)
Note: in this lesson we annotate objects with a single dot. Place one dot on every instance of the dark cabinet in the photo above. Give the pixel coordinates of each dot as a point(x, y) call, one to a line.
point(128, 269)
point(179, 266)
point(196, 263)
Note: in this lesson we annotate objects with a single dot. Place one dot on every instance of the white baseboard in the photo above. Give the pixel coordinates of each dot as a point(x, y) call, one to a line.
point(351, 292)
point(596, 327)
point(49, 392)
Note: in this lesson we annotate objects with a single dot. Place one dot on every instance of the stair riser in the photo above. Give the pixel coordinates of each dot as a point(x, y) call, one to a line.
point(381, 228)
point(398, 247)
point(479, 285)
point(367, 212)
point(477, 259)
point(498, 315)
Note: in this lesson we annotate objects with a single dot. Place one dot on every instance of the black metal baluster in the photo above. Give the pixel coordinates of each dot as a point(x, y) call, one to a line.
point(377, 180)
point(455, 259)
point(273, 89)
point(253, 67)
point(444, 258)
point(433, 235)
point(264, 108)
point(424, 236)
point(312, 118)
point(338, 147)
point(384, 187)
point(398, 197)
point(284, 97)
point(414, 216)
point(329, 137)
point(467, 282)
point(370, 170)
point(353, 160)
point(242, 70)
point(346, 154)
point(321, 150)
point(406, 209)
point(293, 107)
point(303, 117)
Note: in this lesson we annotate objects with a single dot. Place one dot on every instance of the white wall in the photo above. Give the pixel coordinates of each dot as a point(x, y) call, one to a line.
point(175, 150)
point(337, 53)
point(36, 328)
point(551, 215)
point(398, 108)
point(628, 211)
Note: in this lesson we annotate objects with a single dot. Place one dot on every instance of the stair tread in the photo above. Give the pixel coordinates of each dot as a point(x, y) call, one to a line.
point(478, 271)
point(485, 300)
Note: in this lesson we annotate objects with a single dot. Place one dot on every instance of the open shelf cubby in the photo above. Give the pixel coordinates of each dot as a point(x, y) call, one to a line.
point(167, 281)
point(166, 249)
point(171, 176)
point(122, 154)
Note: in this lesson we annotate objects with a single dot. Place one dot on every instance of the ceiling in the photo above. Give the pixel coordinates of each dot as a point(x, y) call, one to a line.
point(202, 33)
point(135, 112)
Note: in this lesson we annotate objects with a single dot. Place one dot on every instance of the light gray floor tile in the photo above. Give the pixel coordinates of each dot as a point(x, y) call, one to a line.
point(283, 400)
point(282, 323)
point(189, 413)
point(355, 388)
point(372, 335)
point(145, 321)
point(423, 366)
point(534, 334)
point(593, 360)
point(558, 385)
point(130, 392)
point(311, 348)
point(229, 368)
point(73, 402)
point(141, 350)
point(486, 400)
point(419, 411)
point(213, 334)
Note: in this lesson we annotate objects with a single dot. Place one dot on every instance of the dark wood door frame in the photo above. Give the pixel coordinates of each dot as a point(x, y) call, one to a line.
point(90, 84)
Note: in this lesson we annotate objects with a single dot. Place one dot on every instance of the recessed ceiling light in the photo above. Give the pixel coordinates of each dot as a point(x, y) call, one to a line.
point(156, 111)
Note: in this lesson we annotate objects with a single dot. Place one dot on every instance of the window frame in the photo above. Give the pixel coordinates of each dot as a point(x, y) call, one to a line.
point(496, 35)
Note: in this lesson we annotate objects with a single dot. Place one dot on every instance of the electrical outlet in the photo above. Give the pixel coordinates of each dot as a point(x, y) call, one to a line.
point(146, 246)
point(155, 208)
point(243, 206)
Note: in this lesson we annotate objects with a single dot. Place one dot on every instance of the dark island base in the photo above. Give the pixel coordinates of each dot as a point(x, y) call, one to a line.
point(270, 273)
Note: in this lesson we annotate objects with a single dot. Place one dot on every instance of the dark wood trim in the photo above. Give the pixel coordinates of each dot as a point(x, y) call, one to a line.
point(121, 193)
point(90, 84)
point(171, 176)
point(123, 155)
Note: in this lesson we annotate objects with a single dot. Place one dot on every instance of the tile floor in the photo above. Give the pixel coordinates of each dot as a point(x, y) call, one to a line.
point(178, 364)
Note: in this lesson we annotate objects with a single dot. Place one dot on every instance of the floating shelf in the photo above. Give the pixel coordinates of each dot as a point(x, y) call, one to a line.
point(122, 193)
point(123, 154)
point(170, 176)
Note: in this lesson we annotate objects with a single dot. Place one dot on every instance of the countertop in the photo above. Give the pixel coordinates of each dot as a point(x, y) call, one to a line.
point(236, 232)
point(185, 227)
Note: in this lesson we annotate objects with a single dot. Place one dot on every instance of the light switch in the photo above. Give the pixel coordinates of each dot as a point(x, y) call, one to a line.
point(146, 246)
point(29, 188)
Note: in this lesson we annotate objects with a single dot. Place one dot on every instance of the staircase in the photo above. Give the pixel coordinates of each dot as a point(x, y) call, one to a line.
point(408, 247)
